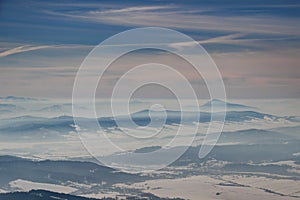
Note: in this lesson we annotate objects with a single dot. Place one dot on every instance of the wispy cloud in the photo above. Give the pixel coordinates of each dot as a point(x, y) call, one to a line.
point(235, 38)
point(227, 39)
point(21, 49)
point(193, 19)
point(130, 9)
point(255, 47)
point(26, 48)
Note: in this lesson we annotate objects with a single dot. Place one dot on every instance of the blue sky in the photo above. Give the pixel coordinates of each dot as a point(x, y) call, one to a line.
point(254, 43)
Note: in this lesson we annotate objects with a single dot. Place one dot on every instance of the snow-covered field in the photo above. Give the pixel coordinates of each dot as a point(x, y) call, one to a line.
point(2, 191)
point(284, 187)
point(24, 185)
point(231, 187)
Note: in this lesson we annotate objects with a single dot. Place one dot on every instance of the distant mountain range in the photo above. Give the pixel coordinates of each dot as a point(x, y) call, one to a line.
point(18, 99)
point(10, 108)
point(219, 104)
point(66, 107)
point(7, 107)
point(64, 124)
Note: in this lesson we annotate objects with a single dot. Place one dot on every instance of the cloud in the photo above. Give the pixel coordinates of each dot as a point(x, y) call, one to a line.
point(130, 9)
point(192, 19)
point(236, 39)
point(26, 48)
point(227, 39)
point(21, 49)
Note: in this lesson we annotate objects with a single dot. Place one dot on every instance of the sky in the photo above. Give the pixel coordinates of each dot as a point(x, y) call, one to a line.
point(255, 44)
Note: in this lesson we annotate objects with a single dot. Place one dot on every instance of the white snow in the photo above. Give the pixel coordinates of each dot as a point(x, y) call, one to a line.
point(3, 191)
point(206, 188)
point(24, 185)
